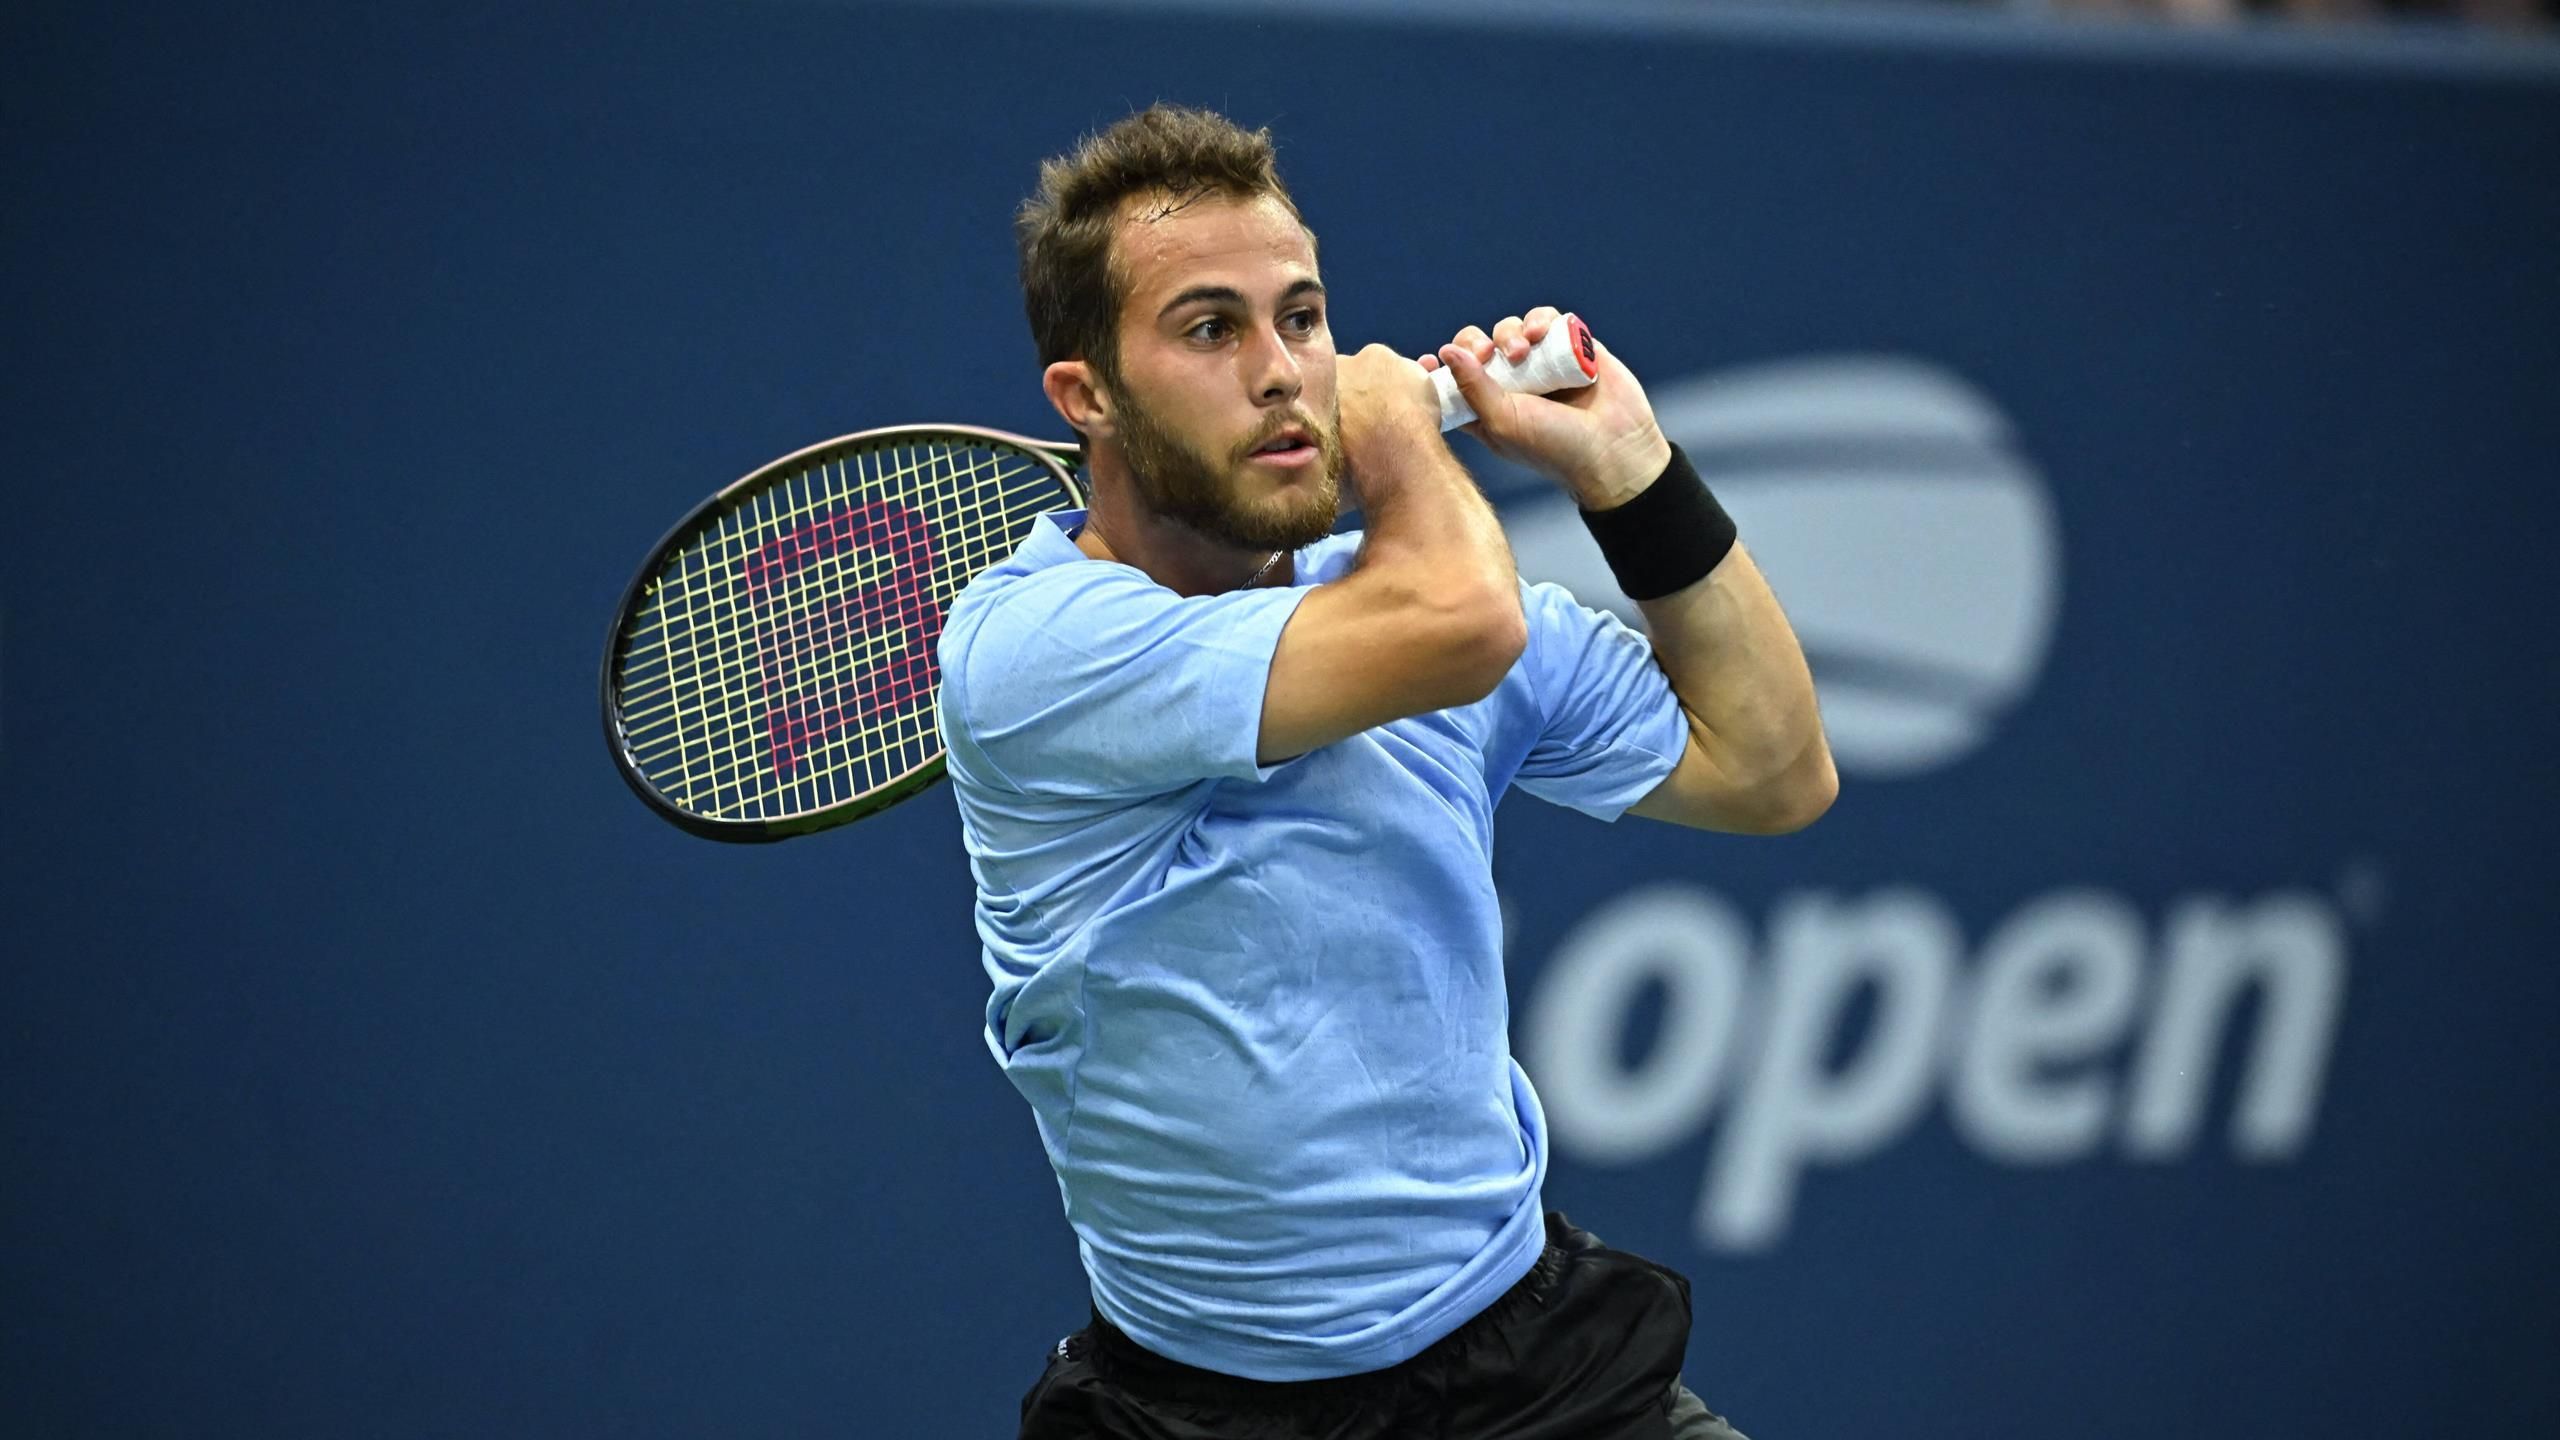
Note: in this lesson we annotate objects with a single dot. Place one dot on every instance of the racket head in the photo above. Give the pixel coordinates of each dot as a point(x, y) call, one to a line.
point(771, 670)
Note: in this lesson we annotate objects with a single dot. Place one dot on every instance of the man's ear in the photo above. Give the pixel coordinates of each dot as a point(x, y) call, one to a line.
point(1076, 393)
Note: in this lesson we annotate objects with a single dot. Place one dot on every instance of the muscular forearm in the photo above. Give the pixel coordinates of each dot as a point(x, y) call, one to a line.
point(1734, 662)
point(1429, 529)
point(1429, 616)
point(1756, 759)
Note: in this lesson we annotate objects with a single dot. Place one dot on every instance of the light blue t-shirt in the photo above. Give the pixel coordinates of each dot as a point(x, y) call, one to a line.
point(1258, 1010)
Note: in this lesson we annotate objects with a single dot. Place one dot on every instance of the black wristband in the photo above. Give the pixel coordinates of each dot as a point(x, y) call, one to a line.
point(1668, 537)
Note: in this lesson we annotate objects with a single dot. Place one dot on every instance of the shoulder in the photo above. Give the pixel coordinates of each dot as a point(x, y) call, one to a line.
point(1005, 606)
point(1000, 656)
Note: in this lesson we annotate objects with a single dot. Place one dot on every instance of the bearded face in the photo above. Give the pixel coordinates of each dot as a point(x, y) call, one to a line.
point(1212, 494)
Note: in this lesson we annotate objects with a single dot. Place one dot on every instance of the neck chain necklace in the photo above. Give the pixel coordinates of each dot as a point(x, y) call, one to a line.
point(1249, 582)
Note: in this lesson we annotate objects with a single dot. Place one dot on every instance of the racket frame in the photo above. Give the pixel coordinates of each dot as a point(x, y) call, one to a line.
point(1062, 458)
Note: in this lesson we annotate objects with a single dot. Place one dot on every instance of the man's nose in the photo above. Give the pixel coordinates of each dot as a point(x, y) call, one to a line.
point(1274, 367)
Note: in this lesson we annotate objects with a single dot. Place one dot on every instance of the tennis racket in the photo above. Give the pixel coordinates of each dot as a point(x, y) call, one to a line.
point(772, 670)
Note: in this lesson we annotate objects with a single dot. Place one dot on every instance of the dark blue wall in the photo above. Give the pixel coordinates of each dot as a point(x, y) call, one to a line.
point(374, 1064)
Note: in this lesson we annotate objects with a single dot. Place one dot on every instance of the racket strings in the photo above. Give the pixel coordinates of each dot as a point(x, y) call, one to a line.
point(824, 591)
point(784, 659)
point(784, 732)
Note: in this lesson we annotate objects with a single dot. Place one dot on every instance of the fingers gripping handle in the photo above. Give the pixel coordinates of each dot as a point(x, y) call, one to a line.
point(1565, 360)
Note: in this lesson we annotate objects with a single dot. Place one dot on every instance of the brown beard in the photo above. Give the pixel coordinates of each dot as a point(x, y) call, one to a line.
point(1176, 482)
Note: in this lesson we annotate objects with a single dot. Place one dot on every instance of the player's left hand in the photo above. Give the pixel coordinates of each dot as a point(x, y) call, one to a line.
point(1599, 442)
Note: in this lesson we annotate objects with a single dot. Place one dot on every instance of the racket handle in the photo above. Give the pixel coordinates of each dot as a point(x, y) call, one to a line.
point(1565, 360)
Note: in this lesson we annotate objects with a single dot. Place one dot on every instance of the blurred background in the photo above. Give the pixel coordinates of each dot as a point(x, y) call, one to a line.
point(2148, 414)
point(2526, 14)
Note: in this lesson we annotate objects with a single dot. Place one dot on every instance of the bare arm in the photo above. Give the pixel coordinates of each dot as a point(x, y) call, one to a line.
point(1757, 761)
point(1429, 616)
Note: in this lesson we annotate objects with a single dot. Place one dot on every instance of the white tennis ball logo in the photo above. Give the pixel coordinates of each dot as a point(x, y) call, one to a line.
point(1913, 546)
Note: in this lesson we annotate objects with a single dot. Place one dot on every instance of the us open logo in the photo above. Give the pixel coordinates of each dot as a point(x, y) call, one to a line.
point(1911, 541)
point(1915, 549)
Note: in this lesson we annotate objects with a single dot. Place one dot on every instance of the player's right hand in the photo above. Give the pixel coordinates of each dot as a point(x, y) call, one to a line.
point(1601, 441)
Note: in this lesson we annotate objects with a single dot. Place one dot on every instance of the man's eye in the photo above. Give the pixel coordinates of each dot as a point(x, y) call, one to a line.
point(1209, 329)
point(1303, 322)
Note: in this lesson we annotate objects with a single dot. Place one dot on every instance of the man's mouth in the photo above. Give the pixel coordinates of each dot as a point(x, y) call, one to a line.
point(1288, 442)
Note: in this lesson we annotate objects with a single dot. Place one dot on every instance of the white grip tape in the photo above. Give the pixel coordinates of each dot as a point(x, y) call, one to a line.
point(1551, 366)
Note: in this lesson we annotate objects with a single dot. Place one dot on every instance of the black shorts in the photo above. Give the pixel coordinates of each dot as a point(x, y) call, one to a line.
point(1586, 1347)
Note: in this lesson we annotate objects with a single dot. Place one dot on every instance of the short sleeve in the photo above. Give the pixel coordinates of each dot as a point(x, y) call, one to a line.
point(1090, 681)
point(1610, 728)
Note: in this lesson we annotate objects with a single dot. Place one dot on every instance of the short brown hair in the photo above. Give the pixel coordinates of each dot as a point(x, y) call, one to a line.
point(1071, 289)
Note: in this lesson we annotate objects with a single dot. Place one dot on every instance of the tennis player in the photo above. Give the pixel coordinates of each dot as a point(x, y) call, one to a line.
point(1228, 785)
